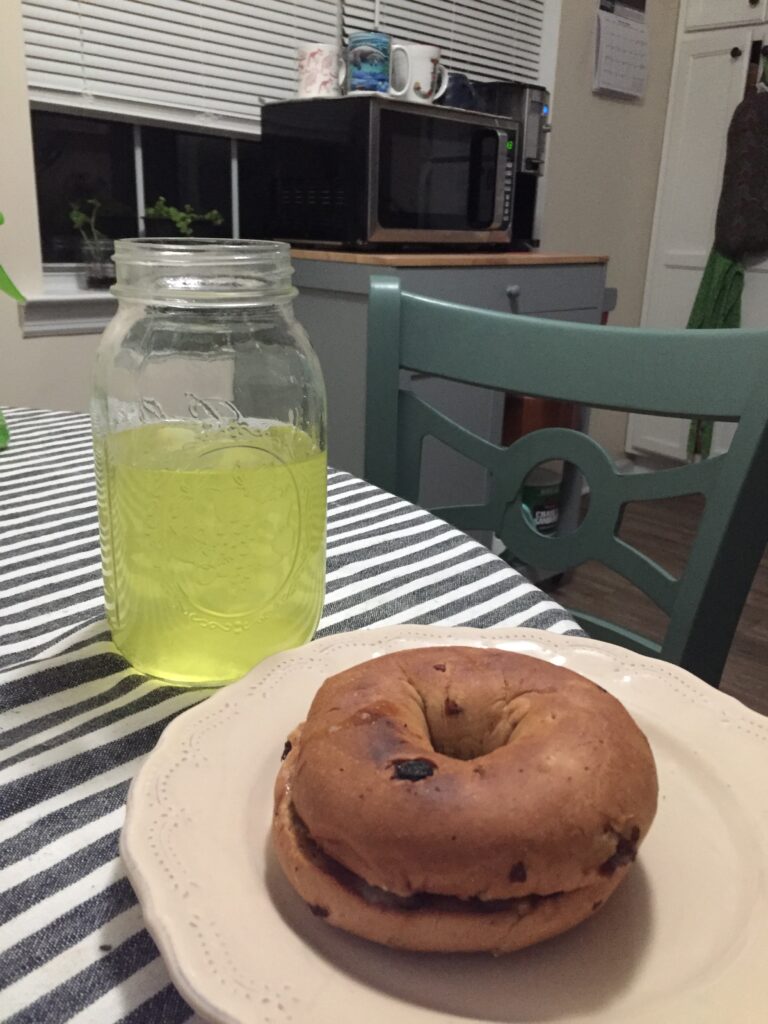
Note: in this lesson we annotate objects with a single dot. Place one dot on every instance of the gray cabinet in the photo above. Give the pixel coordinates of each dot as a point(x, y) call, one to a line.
point(332, 306)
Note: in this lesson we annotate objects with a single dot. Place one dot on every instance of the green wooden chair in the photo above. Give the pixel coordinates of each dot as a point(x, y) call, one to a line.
point(717, 374)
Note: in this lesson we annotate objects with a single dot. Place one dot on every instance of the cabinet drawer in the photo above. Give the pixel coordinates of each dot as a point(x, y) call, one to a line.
point(543, 289)
point(719, 13)
point(525, 290)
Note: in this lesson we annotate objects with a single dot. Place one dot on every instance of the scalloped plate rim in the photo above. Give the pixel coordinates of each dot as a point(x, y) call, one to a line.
point(162, 930)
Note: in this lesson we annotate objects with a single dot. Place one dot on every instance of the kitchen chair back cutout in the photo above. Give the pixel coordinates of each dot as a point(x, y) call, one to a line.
point(721, 375)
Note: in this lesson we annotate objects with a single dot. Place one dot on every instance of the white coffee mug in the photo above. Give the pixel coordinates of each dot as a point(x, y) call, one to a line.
point(320, 70)
point(417, 74)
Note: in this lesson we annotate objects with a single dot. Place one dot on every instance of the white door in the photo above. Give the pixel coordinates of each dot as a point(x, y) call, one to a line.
point(708, 82)
point(717, 13)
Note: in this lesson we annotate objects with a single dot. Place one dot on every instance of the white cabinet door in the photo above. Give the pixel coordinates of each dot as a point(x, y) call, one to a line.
point(719, 13)
point(708, 82)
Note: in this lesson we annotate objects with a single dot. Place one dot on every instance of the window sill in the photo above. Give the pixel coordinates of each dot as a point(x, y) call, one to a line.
point(66, 308)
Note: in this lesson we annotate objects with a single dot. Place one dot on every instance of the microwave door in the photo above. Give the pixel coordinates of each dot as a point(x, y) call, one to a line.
point(424, 167)
point(437, 178)
point(424, 192)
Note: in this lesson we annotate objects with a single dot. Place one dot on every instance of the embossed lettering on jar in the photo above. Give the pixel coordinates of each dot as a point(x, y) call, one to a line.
point(210, 442)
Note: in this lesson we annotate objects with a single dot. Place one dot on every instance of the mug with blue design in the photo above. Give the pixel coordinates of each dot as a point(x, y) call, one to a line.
point(368, 62)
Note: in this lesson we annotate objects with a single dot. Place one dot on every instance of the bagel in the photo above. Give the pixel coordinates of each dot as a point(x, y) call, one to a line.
point(461, 799)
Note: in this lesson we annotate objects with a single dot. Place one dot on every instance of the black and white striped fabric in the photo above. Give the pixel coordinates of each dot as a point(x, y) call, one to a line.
point(76, 721)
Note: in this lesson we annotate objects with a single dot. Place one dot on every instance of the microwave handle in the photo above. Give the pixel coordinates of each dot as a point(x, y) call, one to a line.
point(501, 169)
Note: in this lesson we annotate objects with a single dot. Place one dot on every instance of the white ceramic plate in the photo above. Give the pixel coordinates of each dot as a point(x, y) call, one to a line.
point(684, 941)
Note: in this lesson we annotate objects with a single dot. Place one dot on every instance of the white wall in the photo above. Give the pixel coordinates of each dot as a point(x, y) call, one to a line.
point(46, 372)
point(19, 243)
point(603, 163)
point(549, 43)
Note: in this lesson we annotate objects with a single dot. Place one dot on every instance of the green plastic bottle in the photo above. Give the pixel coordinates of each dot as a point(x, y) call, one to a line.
point(3, 432)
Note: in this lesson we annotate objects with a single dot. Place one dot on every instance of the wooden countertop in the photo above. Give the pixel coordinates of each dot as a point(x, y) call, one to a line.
point(446, 259)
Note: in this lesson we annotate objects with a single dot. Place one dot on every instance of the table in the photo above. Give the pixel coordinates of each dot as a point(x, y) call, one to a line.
point(76, 721)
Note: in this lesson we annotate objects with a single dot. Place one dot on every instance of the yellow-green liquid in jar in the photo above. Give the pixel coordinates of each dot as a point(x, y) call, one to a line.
point(213, 545)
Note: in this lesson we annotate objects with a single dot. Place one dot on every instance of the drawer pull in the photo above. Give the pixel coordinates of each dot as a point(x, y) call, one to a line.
point(513, 294)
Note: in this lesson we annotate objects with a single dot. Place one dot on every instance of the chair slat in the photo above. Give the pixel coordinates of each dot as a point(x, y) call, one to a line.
point(597, 366)
point(715, 374)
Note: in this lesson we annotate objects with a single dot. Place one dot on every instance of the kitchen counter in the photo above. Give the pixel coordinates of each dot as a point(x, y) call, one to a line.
point(447, 259)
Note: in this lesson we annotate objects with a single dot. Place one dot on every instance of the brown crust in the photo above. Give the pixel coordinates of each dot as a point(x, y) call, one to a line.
point(541, 784)
point(428, 929)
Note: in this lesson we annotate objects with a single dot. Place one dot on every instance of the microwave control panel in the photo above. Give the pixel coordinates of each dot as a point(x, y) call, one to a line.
point(509, 176)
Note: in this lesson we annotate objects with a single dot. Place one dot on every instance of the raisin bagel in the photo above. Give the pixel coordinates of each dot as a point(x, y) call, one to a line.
point(458, 799)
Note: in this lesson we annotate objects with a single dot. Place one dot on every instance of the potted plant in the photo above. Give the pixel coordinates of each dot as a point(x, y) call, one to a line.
point(97, 247)
point(161, 218)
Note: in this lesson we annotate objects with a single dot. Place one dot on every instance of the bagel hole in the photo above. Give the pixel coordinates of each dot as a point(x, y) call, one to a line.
point(462, 734)
point(440, 739)
point(464, 737)
point(461, 747)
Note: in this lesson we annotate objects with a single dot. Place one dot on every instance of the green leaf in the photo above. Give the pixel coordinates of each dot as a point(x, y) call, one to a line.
point(9, 288)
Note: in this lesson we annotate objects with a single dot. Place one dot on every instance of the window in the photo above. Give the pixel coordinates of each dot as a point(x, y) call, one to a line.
point(138, 99)
point(187, 167)
point(78, 159)
point(251, 185)
point(121, 169)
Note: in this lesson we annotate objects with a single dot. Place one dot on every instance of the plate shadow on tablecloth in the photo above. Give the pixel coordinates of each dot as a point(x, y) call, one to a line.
point(582, 971)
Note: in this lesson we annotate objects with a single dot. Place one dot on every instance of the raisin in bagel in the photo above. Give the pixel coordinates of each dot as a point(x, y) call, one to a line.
point(458, 799)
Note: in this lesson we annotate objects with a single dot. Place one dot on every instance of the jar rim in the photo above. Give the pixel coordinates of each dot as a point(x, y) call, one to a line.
point(200, 251)
point(203, 271)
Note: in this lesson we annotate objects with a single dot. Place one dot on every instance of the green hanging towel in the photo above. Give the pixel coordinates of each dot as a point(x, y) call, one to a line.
point(718, 300)
point(717, 304)
point(741, 229)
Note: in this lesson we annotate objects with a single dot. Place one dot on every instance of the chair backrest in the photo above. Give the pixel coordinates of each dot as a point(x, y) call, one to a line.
point(721, 375)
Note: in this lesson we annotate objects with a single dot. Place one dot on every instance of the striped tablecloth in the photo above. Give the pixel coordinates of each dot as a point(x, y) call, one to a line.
point(76, 721)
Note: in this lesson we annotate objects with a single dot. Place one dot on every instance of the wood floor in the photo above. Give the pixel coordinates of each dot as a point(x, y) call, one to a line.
point(664, 530)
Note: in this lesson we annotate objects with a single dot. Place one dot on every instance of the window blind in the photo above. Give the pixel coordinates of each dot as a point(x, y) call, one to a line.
point(486, 39)
point(204, 63)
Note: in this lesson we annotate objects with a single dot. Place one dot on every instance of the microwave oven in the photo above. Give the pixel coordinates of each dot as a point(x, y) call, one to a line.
point(368, 172)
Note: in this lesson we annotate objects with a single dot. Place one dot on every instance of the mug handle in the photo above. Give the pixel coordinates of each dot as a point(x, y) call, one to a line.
point(342, 71)
point(392, 90)
point(443, 82)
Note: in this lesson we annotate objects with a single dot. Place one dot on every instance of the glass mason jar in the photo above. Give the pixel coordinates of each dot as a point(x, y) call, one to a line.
point(210, 439)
